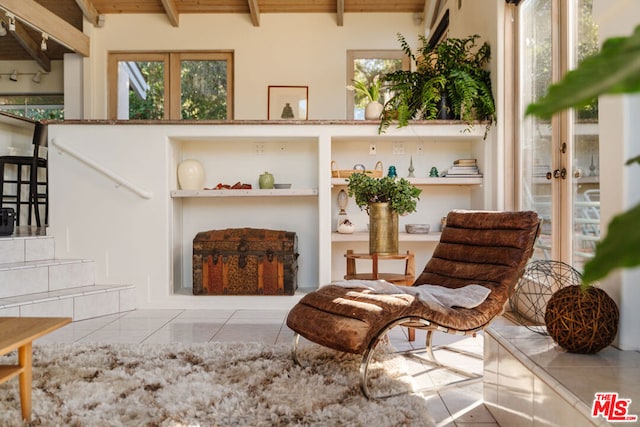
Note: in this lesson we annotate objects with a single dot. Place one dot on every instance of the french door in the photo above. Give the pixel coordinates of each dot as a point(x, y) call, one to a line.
point(558, 158)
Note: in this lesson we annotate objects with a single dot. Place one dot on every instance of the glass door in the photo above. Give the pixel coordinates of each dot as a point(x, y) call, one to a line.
point(535, 44)
point(558, 157)
point(585, 170)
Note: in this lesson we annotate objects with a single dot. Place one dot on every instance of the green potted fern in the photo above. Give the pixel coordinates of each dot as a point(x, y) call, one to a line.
point(450, 81)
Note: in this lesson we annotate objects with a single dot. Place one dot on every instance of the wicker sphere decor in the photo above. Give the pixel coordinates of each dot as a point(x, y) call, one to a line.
point(539, 281)
point(582, 321)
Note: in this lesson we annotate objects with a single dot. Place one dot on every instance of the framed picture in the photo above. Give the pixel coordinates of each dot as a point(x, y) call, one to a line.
point(288, 102)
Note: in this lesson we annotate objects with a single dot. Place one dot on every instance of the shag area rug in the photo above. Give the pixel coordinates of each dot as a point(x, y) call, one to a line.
point(212, 384)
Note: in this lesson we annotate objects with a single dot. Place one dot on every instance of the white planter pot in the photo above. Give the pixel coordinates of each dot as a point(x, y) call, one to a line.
point(190, 175)
point(373, 110)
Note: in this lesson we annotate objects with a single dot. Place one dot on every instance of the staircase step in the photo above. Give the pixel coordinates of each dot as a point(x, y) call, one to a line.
point(83, 302)
point(28, 277)
point(34, 283)
point(26, 248)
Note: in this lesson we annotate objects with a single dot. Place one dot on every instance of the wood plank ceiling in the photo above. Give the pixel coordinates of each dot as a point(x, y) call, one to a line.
point(25, 42)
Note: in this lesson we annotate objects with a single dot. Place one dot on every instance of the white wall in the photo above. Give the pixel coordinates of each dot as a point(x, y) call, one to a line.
point(15, 136)
point(286, 49)
point(620, 185)
point(464, 22)
point(50, 82)
point(304, 49)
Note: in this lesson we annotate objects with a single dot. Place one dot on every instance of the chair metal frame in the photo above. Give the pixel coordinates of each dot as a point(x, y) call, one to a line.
point(527, 227)
point(418, 323)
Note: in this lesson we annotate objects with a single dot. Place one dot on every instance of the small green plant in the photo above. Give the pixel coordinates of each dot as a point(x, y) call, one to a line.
point(371, 92)
point(401, 195)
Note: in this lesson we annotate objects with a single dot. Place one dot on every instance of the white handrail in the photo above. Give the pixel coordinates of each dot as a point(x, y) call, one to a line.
point(106, 172)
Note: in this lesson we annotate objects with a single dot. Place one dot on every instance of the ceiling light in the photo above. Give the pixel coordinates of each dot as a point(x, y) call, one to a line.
point(43, 45)
point(13, 76)
point(12, 21)
point(36, 77)
point(3, 30)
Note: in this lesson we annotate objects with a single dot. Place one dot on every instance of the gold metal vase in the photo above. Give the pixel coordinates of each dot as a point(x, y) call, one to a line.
point(383, 229)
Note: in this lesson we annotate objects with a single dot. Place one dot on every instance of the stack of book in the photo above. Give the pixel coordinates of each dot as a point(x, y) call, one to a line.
point(463, 168)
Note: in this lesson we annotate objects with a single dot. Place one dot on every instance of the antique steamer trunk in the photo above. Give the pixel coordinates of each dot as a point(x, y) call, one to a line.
point(245, 261)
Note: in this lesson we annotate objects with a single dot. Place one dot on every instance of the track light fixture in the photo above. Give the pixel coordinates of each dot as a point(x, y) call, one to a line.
point(43, 44)
point(3, 30)
point(12, 21)
point(14, 75)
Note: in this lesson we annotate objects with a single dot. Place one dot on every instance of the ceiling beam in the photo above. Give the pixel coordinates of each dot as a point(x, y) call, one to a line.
point(90, 12)
point(254, 9)
point(39, 17)
point(340, 13)
point(172, 12)
point(31, 46)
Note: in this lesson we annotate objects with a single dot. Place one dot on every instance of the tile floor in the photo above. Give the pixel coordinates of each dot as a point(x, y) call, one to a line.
point(462, 406)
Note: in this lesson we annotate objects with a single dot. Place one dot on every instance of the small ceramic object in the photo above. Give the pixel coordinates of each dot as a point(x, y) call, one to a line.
point(373, 110)
point(433, 173)
point(346, 227)
point(266, 181)
point(190, 175)
point(417, 228)
point(392, 172)
point(359, 167)
point(411, 168)
point(281, 186)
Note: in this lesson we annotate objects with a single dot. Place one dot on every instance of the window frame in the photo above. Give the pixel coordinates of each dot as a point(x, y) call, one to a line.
point(353, 55)
point(172, 84)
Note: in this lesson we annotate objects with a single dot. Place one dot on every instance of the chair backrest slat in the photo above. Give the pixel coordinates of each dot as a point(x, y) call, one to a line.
point(486, 248)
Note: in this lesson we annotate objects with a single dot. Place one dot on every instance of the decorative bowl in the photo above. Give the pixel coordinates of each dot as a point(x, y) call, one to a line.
point(417, 228)
point(346, 227)
point(281, 186)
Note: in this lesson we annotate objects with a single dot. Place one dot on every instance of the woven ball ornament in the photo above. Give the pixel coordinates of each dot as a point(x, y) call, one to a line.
point(539, 281)
point(582, 321)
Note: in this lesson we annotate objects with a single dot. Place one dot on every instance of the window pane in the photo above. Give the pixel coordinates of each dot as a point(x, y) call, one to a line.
point(35, 107)
point(365, 70)
point(203, 89)
point(586, 191)
point(141, 90)
point(536, 143)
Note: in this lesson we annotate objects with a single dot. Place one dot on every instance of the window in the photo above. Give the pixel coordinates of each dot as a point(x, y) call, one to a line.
point(365, 65)
point(171, 85)
point(558, 158)
point(35, 107)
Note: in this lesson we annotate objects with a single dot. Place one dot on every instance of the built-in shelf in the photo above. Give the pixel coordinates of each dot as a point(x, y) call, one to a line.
point(245, 193)
point(426, 181)
point(403, 237)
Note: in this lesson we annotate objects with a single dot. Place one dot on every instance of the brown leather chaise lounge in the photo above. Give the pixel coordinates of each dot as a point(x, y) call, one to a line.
point(490, 249)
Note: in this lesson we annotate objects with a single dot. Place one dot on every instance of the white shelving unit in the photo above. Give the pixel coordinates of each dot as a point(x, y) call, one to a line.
point(246, 193)
point(403, 237)
point(426, 181)
point(302, 155)
point(151, 246)
point(424, 147)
